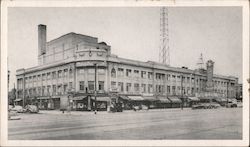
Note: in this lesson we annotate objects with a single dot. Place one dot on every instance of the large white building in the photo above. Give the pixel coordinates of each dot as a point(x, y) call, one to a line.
point(67, 64)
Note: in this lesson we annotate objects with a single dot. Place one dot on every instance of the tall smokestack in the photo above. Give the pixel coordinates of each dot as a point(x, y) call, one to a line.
point(42, 39)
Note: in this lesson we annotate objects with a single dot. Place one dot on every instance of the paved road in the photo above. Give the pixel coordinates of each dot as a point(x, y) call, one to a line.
point(223, 123)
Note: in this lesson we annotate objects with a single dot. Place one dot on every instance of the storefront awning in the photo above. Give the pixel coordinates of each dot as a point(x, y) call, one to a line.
point(79, 98)
point(101, 99)
point(135, 98)
point(149, 98)
point(174, 99)
point(124, 97)
point(43, 98)
point(194, 98)
point(17, 100)
point(164, 100)
point(221, 99)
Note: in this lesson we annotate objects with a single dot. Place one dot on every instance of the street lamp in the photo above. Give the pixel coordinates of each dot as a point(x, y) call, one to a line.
point(182, 99)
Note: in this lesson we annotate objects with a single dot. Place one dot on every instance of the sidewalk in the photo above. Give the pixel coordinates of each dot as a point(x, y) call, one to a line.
point(106, 112)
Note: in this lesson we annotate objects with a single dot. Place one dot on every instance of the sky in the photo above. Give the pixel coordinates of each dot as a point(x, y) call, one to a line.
point(134, 33)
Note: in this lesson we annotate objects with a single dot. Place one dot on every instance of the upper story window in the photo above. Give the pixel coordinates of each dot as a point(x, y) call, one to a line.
point(101, 71)
point(159, 76)
point(150, 75)
point(91, 71)
point(59, 74)
point(136, 73)
point(143, 74)
point(173, 78)
point(120, 72)
point(48, 76)
point(113, 73)
point(70, 73)
point(54, 75)
point(65, 73)
point(128, 72)
point(43, 77)
point(81, 71)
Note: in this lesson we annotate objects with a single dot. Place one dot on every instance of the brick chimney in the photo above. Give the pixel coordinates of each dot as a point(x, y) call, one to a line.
point(42, 39)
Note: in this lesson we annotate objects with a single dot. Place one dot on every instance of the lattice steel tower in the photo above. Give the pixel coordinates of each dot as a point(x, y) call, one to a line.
point(164, 53)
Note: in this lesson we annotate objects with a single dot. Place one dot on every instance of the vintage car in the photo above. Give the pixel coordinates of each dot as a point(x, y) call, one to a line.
point(32, 109)
point(206, 106)
point(18, 109)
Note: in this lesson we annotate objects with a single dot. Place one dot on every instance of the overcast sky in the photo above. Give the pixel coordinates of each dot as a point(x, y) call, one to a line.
point(134, 33)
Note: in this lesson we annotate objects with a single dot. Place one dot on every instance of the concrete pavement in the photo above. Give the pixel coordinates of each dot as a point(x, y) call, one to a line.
point(223, 123)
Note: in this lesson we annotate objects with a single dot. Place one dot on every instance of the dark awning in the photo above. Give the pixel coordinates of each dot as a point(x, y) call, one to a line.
point(149, 98)
point(174, 99)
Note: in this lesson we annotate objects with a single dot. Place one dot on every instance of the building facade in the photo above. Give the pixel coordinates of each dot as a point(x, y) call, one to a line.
point(67, 64)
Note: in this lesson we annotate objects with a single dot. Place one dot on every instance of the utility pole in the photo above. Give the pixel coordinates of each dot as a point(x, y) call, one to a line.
point(95, 87)
point(182, 99)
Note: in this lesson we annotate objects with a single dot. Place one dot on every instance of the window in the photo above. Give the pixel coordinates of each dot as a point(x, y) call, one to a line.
point(34, 79)
point(143, 87)
point(48, 76)
point(65, 88)
point(120, 72)
point(143, 74)
point(70, 85)
point(113, 73)
point(168, 77)
point(159, 76)
point(91, 71)
point(168, 89)
point(101, 71)
point(173, 78)
point(101, 85)
point(43, 77)
point(128, 72)
point(81, 71)
point(188, 79)
point(113, 85)
point(136, 86)
point(128, 87)
point(173, 90)
point(54, 90)
point(43, 91)
point(150, 75)
point(48, 90)
point(59, 74)
point(136, 73)
point(120, 86)
point(54, 75)
point(91, 85)
point(59, 89)
point(81, 85)
point(150, 88)
point(70, 73)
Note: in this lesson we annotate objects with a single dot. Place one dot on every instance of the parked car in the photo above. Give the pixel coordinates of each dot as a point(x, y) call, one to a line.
point(135, 108)
point(32, 109)
point(18, 108)
point(231, 105)
point(206, 106)
point(198, 106)
point(144, 107)
point(239, 104)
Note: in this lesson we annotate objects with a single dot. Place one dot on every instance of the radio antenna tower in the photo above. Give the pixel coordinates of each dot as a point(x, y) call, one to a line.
point(200, 62)
point(164, 55)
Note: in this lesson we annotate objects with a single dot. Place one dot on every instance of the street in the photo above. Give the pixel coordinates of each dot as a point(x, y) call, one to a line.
point(222, 123)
